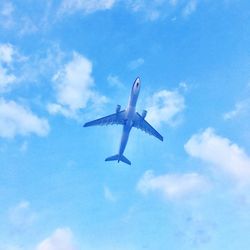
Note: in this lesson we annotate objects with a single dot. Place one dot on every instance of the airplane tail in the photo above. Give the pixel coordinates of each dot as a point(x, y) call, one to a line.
point(118, 158)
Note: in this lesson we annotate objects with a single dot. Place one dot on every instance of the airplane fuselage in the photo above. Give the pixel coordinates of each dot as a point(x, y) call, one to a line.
point(130, 114)
point(128, 118)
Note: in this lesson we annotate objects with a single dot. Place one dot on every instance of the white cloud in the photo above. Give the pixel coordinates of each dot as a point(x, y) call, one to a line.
point(157, 9)
point(109, 196)
point(6, 79)
point(184, 86)
point(151, 9)
point(114, 81)
point(8, 57)
point(74, 88)
point(173, 2)
point(24, 146)
point(18, 120)
point(27, 26)
point(16, 68)
point(7, 52)
point(60, 239)
point(21, 216)
point(10, 247)
point(136, 63)
point(7, 8)
point(87, 6)
point(196, 229)
point(190, 8)
point(74, 82)
point(15, 19)
point(221, 153)
point(45, 62)
point(172, 186)
point(164, 107)
point(240, 108)
point(6, 14)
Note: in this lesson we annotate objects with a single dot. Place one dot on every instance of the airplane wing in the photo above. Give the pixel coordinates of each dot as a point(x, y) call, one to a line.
point(116, 118)
point(142, 124)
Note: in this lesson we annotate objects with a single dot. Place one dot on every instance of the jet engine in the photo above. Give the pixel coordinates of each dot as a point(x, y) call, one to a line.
point(118, 108)
point(144, 113)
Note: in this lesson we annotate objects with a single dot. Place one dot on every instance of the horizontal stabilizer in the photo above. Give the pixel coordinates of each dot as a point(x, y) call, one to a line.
point(125, 160)
point(112, 158)
point(118, 158)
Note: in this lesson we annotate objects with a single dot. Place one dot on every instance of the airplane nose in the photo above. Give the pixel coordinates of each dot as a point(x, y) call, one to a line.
point(137, 82)
point(136, 85)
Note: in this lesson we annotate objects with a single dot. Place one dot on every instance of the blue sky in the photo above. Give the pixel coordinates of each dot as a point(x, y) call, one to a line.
point(63, 63)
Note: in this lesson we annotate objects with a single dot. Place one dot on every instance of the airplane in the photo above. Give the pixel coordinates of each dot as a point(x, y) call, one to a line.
point(129, 118)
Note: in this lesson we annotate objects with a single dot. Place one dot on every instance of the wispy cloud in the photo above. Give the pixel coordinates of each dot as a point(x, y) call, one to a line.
point(22, 216)
point(174, 2)
point(108, 194)
point(196, 230)
point(7, 53)
point(190, 8)
point(11, 66)
point(165, 107)
point(6, 14)
point(221, 154)
point(20, 20)
point(155, 9)
point(150, 9)
point(114, 81)
point(24, 146)
point(16, 119)
point(28, 26)
point(44, 64)
point(10, 247)
point(239, 109)
point(6, 79)
point(61, 238)
point(136, 63)
point(87, 6)
point(172, 186)
point(183, 86)
point(74, 88)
